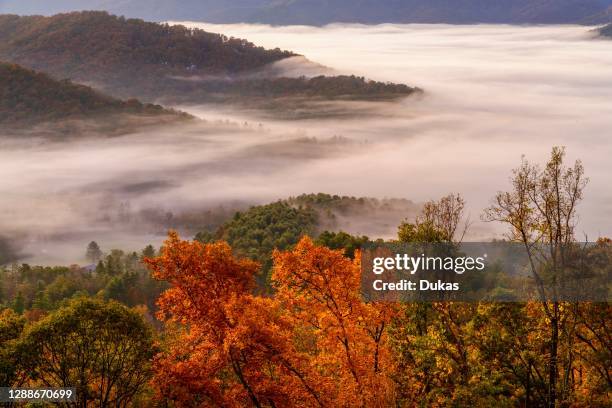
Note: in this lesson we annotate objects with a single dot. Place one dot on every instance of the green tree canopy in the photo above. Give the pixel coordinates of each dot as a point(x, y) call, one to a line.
point(101, 348)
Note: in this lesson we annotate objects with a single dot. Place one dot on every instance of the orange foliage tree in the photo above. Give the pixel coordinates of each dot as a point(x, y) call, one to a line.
point(314, 343)
point(344, 337)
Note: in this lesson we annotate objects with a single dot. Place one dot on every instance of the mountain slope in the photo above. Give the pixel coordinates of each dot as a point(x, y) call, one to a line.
point(318, 12)
point(28, 97)
point(76, 44)
point(134, 58)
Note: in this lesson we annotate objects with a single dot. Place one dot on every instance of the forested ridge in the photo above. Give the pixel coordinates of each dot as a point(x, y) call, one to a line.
point(29, 97)
point(342, 87)
point(256, 232)
point(133, 58)
point(87, 43)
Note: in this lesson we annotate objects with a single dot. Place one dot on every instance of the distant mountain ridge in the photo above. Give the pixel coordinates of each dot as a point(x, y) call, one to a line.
point(320, 12)
point(317, 12)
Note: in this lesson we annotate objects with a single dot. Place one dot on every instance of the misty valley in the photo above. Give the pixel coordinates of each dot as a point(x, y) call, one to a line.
point(81, 163)
point(206, 189)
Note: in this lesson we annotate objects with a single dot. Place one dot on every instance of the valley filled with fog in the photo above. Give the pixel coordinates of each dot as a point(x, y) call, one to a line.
point(491, 95)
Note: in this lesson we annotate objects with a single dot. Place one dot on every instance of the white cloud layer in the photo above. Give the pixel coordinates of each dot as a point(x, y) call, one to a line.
point(493, 93)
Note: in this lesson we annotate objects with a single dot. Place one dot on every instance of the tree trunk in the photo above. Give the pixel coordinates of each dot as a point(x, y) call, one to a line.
point(552, 367)
point(528, 387)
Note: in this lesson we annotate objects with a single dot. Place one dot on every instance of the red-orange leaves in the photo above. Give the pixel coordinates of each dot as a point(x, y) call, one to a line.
point(344, 337)
point(232, 348)
point(313, 344)
point(203, 277)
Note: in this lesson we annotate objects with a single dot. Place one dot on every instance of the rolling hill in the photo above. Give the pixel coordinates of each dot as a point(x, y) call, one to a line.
point(133, 58)
point(28, 98)
point(121, 56)
point(319, 12)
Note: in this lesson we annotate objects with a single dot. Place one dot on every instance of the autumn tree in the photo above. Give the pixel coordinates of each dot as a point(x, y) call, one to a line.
point(313, 344)
point(439, 221)
point(345, 337)
point(228, 347)
point(593, 350)
point(540, 210)
point(434, 357)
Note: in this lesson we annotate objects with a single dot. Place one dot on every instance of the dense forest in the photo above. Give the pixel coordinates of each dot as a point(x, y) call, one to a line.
point(81, 45)
point(265, 90)
point(133, 58)
point(184, 325)
point(28, 97)
point(256, 232)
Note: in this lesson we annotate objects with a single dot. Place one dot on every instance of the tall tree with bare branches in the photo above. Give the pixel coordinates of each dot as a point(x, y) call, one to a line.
point(541, 212)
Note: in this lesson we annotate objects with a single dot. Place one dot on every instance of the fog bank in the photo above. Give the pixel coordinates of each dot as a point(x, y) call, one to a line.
point(493, 93)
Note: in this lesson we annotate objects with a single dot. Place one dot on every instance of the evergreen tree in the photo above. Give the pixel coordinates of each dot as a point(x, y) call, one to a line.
point(19, 303)
point(93, 253)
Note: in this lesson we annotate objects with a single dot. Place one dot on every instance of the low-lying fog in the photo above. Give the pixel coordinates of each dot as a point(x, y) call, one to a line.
point(493, 93)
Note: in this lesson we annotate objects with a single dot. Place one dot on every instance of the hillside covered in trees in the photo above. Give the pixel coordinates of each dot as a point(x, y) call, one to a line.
point(28, 97)
point(84, 44)
point(256, 232)
point(265, 91)
point(133, 58)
